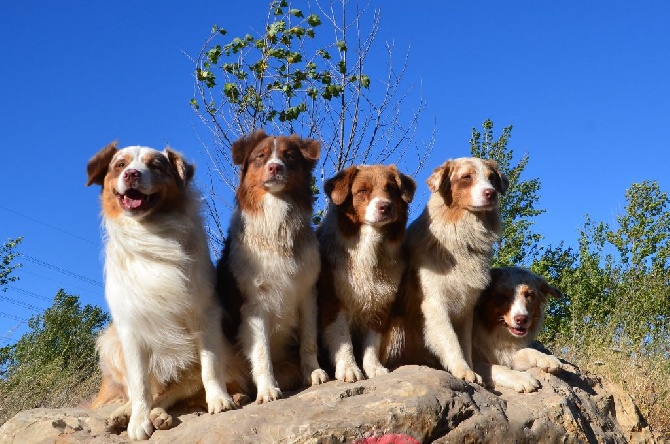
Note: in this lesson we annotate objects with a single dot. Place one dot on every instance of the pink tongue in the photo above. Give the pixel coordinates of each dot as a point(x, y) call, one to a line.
point(131, 203)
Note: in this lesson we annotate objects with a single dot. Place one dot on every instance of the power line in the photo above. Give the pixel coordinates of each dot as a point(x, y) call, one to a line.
point(50, 226)
point(19, 303)
point(68, 286)
point(62, 270)
point(29, 293)
point(12, 317)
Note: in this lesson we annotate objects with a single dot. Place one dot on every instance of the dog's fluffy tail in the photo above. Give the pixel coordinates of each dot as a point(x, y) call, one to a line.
point(393, 343)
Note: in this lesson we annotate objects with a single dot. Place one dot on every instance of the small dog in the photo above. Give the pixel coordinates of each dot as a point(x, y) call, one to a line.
point(450, 246)
point(508, 318)
point(361, 262)
point(270, 264)
point(165, 342)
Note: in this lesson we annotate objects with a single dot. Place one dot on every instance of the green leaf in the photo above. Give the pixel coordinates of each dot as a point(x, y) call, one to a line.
point(313, 20)
point(365, 81)
point(296, 12)
point(341, 46)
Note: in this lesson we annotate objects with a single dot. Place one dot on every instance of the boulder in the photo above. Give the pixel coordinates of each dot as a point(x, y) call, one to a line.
point(410, 404)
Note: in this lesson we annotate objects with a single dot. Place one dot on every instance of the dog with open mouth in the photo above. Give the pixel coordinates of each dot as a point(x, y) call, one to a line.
point(165, 343)
point(508, 318)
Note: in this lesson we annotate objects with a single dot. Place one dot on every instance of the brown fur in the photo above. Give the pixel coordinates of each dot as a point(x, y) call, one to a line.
point(508, 318)
point(362, 263)
point(449, 248)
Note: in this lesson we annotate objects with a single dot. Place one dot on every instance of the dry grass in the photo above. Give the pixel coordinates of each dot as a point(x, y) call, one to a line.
point(47, 387)
point(644, 377)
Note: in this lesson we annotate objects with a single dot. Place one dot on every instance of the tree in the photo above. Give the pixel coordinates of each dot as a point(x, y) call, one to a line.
point(293, 78)
point(7, 257)
point(64, 333)
point(54, 364)
point(519, 244)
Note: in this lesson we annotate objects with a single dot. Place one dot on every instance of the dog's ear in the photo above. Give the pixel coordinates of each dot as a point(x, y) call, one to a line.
point(184, 170)
point(310, 149)
point(405, 183)
point(549, 289)
point(98, 165)
point(245, 144)
point(439, 175)
point(502, 184)
point(339, 187)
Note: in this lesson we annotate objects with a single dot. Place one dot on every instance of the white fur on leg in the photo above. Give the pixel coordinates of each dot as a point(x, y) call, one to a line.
point(529, 357)
point(341, 351)
point(256, 342)
point(371, 364)
point(442, 340)
point(212, 355)
point(312, 373)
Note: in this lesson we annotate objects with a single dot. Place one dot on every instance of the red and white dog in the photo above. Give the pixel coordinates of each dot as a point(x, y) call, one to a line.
point(450, 246)
point(270, 264)
point(508, 318)
point(362, 263)
point(165, 343)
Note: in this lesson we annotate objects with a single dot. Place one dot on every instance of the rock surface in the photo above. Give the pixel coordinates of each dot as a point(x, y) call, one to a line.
point(426, 404)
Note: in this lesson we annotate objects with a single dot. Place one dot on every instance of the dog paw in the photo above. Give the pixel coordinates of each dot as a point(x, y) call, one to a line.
point(267, 394)
point(318, 376)
point(220, 403)
point(467, 375)
point(348, 373)
point(121, 416)
point(160, 419)
point(379, 370)
point(139, 428)
point(548, 363)
point(524, 383)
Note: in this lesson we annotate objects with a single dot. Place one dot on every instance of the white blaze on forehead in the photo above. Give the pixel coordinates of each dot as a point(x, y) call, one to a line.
point(135, 156)
point(518, 307)
point(480, 184)
point(274, 155)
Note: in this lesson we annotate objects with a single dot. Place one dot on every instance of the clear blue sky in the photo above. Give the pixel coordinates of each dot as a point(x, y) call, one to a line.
point(585, 85)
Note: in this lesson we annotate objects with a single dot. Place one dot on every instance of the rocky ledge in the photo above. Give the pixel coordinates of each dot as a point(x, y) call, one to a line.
point(418, 402)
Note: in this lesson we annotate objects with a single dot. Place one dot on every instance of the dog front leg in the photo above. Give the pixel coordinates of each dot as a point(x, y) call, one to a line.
point(255, 337)
point(529, 357)
point(442, 340)
point(213, 356)
point(502, 376)
point(136, 360)
point(311, 371)
point(340, 349)
point(371, 364)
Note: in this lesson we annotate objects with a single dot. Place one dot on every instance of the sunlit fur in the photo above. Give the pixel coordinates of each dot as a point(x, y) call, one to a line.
point(268, 271)
point(362, 263)
point(450, 246)
point(165, 343)
point(508, 318)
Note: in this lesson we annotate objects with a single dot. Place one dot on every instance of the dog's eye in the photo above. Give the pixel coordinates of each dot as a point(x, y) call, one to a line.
point(362, 192)
point(466, 177)
point(120, 164)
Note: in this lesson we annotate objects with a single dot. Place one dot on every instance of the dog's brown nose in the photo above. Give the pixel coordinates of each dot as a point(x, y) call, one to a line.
point(521, 320)
point(384, 207)
point(131, 177)
point(275, 168)
point(489, 193)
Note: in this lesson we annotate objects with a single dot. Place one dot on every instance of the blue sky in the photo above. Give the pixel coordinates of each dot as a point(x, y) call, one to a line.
point(583, 83)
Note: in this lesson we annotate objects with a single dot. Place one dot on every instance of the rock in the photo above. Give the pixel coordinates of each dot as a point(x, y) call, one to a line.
point(417, 403)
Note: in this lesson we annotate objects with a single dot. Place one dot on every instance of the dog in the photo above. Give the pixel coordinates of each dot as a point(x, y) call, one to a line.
point(165, 343)
point(450, 246)
point(508, 318)
point(362, 263)
point(267, 273)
